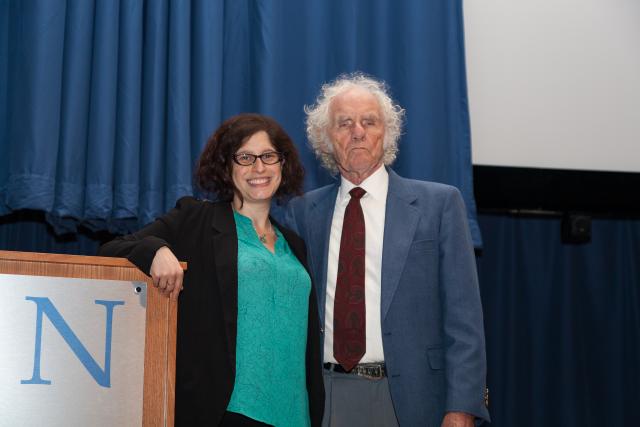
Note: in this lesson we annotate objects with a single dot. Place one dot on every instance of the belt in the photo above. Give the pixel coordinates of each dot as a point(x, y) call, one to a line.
point(374, 371)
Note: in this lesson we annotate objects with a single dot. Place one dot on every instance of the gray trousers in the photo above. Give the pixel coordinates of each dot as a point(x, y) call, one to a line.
point(354, 401)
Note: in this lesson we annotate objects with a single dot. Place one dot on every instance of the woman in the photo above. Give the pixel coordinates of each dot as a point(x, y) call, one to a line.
point(248, 331)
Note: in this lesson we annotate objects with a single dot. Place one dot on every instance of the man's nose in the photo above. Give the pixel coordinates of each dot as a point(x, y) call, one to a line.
point(358, 131)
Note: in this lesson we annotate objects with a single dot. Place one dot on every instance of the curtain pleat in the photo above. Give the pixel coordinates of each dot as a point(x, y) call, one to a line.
point(127, 161)
point(101, 141)
point(177, 149)
point(75, 82)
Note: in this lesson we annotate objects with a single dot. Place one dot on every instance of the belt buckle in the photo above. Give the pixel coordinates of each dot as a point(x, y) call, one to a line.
point(373, 372)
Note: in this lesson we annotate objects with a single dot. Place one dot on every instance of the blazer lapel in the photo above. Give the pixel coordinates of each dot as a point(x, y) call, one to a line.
point(401, 220)
point(225, 254)
point(319, 228)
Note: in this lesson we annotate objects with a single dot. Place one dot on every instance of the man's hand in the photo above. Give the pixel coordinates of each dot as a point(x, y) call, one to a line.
point(167, 273)
point(457, 419)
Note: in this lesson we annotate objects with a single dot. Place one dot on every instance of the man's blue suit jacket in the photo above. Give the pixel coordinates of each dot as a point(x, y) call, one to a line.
point(432, 327)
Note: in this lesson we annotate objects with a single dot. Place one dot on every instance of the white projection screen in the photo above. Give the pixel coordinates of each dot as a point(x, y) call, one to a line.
point(554, 83)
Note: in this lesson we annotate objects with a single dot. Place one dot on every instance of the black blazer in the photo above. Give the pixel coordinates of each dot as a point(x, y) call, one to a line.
point(204, 235)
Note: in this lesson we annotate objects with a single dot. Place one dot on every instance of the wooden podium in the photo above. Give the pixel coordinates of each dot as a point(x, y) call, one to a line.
point(161, 317)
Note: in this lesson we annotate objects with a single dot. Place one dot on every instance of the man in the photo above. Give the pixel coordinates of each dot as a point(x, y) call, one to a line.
point(393, 263)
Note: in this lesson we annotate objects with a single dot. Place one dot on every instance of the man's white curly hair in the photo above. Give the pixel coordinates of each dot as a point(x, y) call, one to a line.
point(319, 118)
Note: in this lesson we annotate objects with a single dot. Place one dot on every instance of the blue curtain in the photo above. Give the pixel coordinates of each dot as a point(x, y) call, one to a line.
point(106, 104)
point(28, 231)
point(562, 323)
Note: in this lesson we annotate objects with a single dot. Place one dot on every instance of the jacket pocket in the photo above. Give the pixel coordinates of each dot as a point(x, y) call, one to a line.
point(436, 357)
point(426, 245)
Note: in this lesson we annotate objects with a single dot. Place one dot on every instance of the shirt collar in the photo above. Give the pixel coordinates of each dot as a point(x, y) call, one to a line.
point(375, 185)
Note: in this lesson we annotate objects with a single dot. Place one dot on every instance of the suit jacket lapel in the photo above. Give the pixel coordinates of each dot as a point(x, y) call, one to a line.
point(225, 254)
point(319, 229)
point(401, 220)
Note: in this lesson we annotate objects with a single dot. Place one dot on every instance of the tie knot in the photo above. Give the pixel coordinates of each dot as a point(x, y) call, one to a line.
point(357, 192)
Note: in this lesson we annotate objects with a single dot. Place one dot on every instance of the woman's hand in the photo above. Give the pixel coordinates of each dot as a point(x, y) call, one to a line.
point(167, 273)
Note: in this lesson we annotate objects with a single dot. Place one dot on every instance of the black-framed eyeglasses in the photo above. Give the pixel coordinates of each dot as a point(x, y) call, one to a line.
point(268, 158)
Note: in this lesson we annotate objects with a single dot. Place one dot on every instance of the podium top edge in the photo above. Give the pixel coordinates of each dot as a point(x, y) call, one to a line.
point(68, 259)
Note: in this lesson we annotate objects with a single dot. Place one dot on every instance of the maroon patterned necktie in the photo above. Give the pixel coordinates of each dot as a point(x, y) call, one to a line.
point(348, 307)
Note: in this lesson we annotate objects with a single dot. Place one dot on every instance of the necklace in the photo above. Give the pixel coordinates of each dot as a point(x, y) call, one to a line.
point(263, 236)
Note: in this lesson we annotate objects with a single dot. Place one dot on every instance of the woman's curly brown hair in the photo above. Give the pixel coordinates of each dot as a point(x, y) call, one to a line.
point(214, 169)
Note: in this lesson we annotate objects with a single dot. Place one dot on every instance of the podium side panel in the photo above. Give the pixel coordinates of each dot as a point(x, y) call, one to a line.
point(161, 320)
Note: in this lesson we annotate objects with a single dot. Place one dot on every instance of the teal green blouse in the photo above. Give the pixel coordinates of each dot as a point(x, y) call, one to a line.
point(273, 303)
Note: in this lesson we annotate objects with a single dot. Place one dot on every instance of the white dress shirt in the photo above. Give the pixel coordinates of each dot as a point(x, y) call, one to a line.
point(373, 204)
